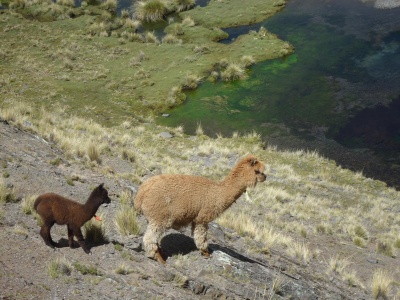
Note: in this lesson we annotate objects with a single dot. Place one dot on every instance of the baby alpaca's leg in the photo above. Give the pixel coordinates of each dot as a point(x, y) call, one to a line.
point(150, 242)
point(70, 237)
point(200, 238)
point(45, 234)
point(77, 232)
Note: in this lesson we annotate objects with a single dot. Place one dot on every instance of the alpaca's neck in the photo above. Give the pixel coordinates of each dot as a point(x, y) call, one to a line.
point(92, 205)
point(233, 188)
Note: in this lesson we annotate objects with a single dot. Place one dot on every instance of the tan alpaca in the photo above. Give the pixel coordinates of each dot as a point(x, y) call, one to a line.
point(174, 201)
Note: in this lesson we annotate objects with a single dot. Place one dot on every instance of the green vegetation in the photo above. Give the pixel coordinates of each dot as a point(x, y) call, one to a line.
point(84, 270)
point(58, 267)
point(72, 61)
point(6, 193)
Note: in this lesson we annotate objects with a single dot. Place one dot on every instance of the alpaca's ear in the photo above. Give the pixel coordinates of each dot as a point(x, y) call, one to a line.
point(253, 162)
point(101, 185)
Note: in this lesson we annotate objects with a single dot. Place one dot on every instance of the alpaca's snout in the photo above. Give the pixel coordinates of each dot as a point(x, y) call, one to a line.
point(261, 177)
point(107, 200)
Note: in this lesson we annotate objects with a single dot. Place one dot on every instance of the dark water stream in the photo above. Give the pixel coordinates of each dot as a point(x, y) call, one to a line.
point(337, 93)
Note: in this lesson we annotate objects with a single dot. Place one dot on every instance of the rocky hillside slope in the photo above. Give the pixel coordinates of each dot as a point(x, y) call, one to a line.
point(118, 268)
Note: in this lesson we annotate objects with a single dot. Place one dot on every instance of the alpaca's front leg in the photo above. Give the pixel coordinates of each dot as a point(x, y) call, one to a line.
point(150, 242)
point(70, 237)
point(200, 238)
point(77, 232)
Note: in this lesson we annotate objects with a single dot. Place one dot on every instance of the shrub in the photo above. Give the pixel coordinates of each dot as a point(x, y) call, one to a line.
point(150, 11)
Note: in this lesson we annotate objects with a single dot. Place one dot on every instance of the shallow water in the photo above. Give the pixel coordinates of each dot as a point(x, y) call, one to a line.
point(347, 58)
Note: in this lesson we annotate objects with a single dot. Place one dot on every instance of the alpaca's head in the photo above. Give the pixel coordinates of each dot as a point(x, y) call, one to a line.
point(101, 194)
point(251, 170)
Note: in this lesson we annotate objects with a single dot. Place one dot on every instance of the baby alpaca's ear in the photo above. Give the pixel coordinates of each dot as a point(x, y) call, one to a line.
point(101, 185)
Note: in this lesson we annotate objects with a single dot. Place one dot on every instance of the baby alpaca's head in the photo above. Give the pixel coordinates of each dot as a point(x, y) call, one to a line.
point(101, 193)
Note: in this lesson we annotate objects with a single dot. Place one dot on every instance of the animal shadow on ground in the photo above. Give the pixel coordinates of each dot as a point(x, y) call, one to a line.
point(178, 243)
point(62, 243)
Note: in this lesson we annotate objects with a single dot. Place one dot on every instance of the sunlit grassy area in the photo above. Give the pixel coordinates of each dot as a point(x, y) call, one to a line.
point(107, 67)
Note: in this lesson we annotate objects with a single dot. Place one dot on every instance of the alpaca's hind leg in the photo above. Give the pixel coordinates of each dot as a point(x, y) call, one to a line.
point(200, 238)
point(150, 243)
point(70, 237)
point(78, 233)
point(45, 234)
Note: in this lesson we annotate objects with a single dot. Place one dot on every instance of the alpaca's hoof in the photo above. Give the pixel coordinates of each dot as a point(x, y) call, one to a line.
point(159, 258)
point(205, 253)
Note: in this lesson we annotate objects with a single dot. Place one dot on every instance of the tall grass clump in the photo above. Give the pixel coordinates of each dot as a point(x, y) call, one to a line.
point(190, 82)
point(58, 267)
point(381, 282)
point(68, 3)
point(150, 10)
point(233, 71)
point(132, 25)
point(95, 232)
point(126, 221)
point(93, 152)
point(6, 193)
point(150, 37)
point(171, 39)
point(182, 5)
point(110, 5)
point(27, 204)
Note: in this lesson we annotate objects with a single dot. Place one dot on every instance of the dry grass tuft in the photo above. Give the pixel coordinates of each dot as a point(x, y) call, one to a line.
point(150, 10)
point(233, 71)
point(27, 204)
point(58, 267)
point(381, 282)
point(126, 221)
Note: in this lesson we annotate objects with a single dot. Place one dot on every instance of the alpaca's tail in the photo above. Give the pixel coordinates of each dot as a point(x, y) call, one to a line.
point(138, 204)
point(37, 202)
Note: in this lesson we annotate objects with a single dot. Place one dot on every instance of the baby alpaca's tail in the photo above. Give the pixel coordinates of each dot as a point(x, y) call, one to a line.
point(37, 201)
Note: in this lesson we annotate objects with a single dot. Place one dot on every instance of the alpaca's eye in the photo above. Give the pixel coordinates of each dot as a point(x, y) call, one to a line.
point(257, 172)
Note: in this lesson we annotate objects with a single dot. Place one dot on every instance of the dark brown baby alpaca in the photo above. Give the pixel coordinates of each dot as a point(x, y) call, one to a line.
point(56, 209)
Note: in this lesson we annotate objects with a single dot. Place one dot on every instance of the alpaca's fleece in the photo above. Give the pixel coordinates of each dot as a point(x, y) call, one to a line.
point(173, 201)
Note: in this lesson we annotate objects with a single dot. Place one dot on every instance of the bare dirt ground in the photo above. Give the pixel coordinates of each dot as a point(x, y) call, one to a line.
point(232, 272)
